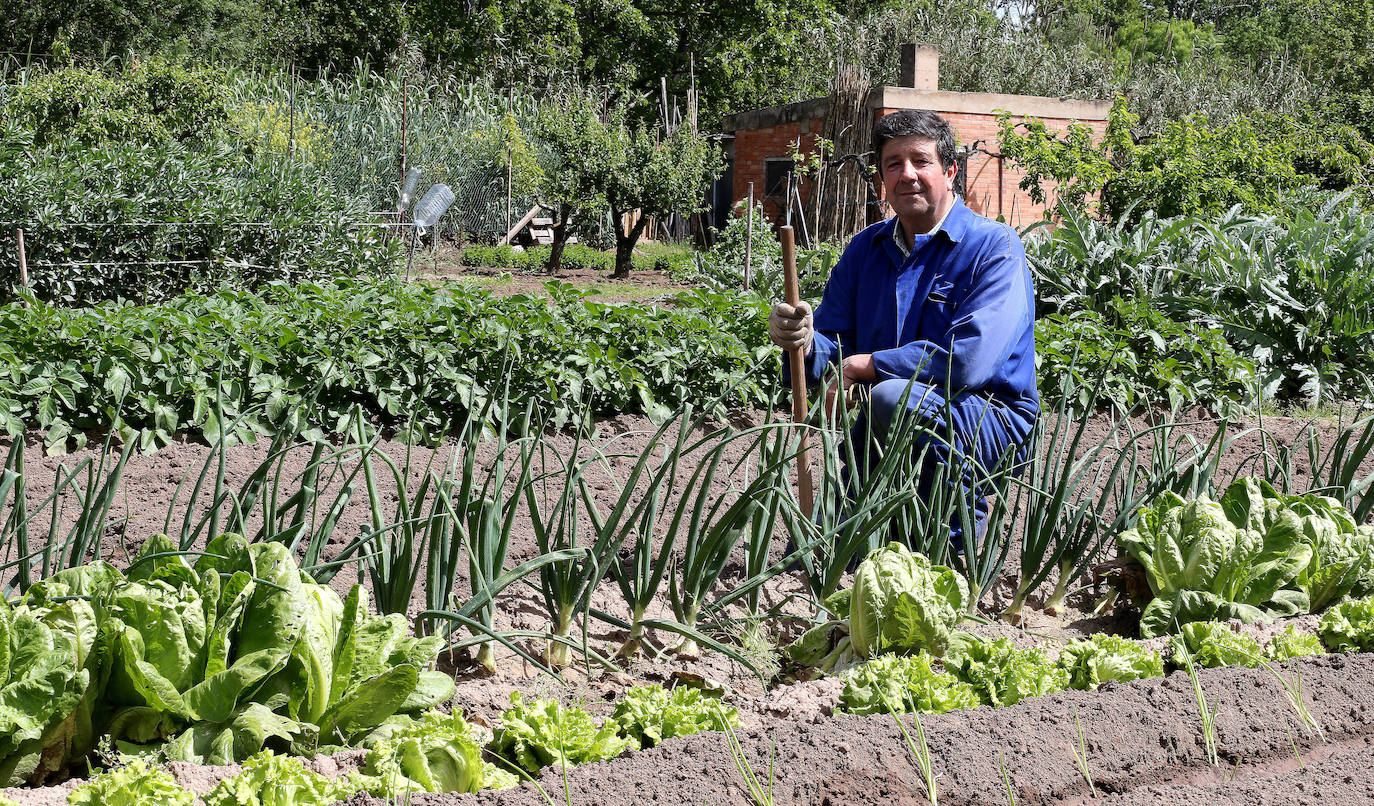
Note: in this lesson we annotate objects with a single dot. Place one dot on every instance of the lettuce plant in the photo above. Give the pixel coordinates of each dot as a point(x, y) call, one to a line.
point(206, 663)
point(649, 714)
point(1212, 644)
point(1342, 553)
point(902, 603)
point(1293, 643)
point(543, 732)
point(1003, 674)
point(268, 779)
point(134, 784)
point(1235, 558)
point(902, 684)
point(435, 752)
point(1349, 626)
point(50, 668)
point(1104, 658)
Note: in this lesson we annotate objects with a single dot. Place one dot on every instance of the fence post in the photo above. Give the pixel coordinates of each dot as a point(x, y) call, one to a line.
point(749, 236)
point(23, 264)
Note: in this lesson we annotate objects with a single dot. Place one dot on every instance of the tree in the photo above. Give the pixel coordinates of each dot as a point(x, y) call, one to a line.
point(577, 143)
point(655, 177)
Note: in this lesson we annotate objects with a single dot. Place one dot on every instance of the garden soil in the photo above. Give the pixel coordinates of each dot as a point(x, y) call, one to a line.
point(1143, 740)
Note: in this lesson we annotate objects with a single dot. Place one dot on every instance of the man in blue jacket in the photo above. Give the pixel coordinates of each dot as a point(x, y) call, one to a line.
point(931, 310)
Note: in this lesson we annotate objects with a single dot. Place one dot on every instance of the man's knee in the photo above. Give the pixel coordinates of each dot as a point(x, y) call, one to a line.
point(887, 398)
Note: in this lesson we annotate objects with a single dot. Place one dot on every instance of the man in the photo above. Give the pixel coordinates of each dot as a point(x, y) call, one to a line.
point(931, 310)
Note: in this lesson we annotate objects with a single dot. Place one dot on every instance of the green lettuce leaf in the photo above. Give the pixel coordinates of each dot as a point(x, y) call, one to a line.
point(1214, 644)
point(649, 714)
point(436, 752)
point(542, 733)
point(902, 684)
point(902, 603)
point(1104, 658)
point(135, 784)
point(1349, 626)
point(268, 779)
point(1293, 643)
point(1003, 674)
point(1237, 558)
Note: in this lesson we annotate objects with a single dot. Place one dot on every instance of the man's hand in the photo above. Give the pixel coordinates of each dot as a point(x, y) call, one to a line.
point(791, 328)
point(854, 370)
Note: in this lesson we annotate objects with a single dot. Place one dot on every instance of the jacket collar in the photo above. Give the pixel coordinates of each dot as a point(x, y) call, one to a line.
point(955, 227)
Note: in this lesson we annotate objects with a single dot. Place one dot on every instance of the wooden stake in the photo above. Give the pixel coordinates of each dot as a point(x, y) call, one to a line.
point(23, 264)
point(749, 237)
point(791, 289)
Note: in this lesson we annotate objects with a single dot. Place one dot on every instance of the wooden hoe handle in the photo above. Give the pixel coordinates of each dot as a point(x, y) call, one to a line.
point(797, 361)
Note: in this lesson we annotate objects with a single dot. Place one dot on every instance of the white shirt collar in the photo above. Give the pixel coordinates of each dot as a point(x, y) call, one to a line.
point(897, 233)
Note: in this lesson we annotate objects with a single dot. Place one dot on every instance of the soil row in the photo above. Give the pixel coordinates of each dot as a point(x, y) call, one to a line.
point(1143, 743)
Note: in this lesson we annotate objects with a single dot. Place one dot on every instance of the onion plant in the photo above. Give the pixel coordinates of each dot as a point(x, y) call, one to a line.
point(718, 524)
point(54, 549)
point(555, 500)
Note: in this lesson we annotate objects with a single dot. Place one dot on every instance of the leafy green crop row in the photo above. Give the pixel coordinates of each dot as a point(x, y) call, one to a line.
point(205, 663)
point(1253, 554)
point(406, 354)
point(977, 672)
point(437, 752)
point(1293, 294)
point(575, 257)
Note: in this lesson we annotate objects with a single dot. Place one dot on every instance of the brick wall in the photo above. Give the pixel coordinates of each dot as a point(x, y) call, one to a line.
point(753, 149)
point(992, 184)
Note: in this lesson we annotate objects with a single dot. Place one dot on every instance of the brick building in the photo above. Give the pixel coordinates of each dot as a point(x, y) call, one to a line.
point(763, 140)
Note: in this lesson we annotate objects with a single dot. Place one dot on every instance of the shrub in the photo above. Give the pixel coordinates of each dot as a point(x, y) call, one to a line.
point(493, 257)
point(1192, 167)
point(146, 222)
point(152, 100)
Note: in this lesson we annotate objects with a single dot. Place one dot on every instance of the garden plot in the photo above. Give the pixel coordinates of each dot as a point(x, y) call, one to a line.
point(798, 719)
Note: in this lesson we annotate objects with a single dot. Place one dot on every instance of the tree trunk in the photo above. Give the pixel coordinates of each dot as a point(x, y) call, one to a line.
point(560, 239)
point(625, 245)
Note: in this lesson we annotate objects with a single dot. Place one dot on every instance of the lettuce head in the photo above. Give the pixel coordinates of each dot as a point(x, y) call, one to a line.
point(902, 603)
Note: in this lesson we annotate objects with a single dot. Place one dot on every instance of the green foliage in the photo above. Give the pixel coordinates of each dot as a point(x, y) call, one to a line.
point(135, 784)
point(313, 353)
point(1236, 558)
point(1140, 356)
point(50, 660)
point(902, 684)
point(493, 257)
point(650, 714)
point(1349, 626)
point(268, 779)
point(150, 101)
point(1108, 658)
point(87, 212)
point(903, 603)
point(1003, 674)
point(1212, 644)
point(543, 733)
point(1191, 167)
point(435, 752)
point(1293, 643)
point(653, 175)
point(208, 663)
point(1292, 294)
point(577, 144)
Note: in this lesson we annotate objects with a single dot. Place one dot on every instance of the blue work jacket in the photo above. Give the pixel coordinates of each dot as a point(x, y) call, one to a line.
point(957, 313)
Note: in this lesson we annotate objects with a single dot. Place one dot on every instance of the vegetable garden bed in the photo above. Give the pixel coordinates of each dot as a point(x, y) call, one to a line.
point(1140, 741)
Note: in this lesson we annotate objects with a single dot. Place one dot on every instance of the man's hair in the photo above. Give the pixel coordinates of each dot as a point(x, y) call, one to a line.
point(919, 122)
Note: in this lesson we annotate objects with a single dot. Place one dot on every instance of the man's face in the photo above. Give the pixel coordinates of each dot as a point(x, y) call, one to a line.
point(919, 190)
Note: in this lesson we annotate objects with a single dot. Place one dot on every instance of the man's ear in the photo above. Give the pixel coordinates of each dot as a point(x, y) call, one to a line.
point(949, 174)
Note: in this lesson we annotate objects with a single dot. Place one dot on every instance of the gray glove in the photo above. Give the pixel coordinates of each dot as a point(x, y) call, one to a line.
point(791, 328)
